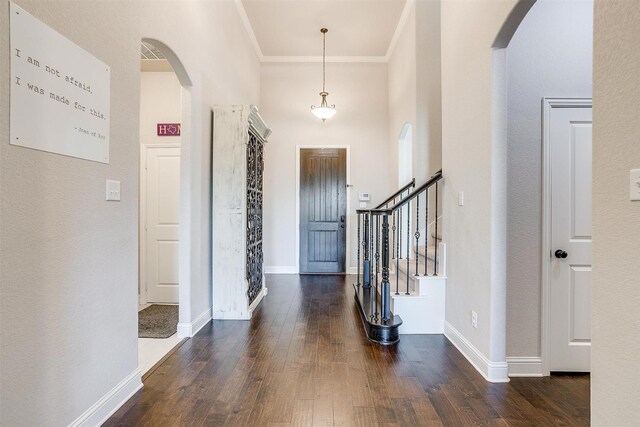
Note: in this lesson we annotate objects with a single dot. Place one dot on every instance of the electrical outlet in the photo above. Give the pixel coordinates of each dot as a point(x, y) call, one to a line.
point(474, 319)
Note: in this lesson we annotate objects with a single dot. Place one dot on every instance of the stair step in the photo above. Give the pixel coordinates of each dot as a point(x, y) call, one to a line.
point(421, 312)
point(402, 267)
point(429, 251)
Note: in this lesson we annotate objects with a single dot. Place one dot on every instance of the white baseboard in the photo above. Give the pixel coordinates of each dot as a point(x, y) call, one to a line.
point(280, 269)
point(352, 270)
point(108, 404)
point(495, 372)
point(188, 330)
point(525, 366)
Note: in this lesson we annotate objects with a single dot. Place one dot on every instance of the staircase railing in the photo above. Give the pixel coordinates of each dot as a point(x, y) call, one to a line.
point(391, 222)
point(364, 218)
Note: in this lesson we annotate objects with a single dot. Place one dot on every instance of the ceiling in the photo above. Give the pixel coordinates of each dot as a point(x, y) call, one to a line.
point(291, 28)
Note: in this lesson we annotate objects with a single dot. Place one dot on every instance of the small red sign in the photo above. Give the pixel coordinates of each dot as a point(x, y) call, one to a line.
point(168, 129)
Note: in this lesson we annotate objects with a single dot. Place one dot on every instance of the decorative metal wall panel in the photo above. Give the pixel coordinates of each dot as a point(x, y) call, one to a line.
point(255, 169)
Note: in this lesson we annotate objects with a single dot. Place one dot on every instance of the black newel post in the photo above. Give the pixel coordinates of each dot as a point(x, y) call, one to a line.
point(386, 287)
point(358, 272)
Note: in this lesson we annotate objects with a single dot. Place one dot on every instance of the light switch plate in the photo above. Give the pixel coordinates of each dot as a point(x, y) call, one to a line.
point(113, 191)
point(634, 185)
point(363, 204)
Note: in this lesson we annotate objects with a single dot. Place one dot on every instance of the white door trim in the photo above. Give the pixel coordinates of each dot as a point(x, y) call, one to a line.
point(142, 221)
point(548, 104)
point(347, 264)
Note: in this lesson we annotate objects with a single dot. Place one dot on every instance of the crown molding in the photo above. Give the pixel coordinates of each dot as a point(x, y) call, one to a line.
point(247, 26)
point(290, 59)
point(401, 24)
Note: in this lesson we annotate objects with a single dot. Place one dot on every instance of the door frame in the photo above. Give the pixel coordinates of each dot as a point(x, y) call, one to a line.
point(142, 220)
point(548, 104)
point(347, 264)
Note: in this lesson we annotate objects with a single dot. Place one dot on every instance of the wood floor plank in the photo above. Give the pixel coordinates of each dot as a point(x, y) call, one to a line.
point(302, 413)
point(304, 360)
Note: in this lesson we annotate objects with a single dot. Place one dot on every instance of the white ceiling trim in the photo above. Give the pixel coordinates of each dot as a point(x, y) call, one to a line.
point(401, 23)
point(247, 26)
point(329, 59)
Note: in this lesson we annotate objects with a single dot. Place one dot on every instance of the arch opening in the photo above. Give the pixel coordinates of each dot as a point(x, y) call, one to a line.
point(165, 176)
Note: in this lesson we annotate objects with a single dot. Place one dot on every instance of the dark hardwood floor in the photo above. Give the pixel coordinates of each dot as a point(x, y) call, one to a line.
point(304, 360)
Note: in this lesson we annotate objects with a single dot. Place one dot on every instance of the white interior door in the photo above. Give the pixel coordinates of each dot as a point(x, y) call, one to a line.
point(162, 213)
point(570, 262)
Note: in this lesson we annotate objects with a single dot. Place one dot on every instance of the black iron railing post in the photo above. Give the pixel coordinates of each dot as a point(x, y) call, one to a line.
point(377, 253)
point(426, 230)
point(408, 244)
point(366, 269)
point(386, 287)
point(393, 227)
point(359, 266)
point(416, 250)
point(435, 243)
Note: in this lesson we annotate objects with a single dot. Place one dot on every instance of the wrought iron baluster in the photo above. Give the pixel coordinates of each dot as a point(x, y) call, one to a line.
point(435, 243)
point(417, 235)
point(393, 220)
point(377, 235)
point(366, 277)
point(396, 230)
point(377, 254)
point(408, 243)
point(426, 231)
point(400, 247)
point(371, 245)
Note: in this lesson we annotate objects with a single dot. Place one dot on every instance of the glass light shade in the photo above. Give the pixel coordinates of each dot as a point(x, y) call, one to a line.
point(324, 113)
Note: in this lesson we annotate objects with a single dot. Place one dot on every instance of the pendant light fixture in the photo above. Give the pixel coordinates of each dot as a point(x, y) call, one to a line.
point(324, 111)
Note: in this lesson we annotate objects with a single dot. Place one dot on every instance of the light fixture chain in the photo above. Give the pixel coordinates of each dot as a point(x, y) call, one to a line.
point(324, 111)
point(324, 62)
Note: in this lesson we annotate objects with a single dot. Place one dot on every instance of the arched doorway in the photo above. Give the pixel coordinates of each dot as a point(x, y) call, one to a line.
point(164, 232)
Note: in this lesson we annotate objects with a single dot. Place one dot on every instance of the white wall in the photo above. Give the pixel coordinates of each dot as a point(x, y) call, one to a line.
point(429, 89)
point(68, 307)
point(616, 221)
point(359, 91)
point(550, 55)
point(402, 89)
point(160, 102)
point(415, 89)
point(474, 161)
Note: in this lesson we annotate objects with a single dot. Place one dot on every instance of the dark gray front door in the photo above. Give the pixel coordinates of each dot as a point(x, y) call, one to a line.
point(323, 206)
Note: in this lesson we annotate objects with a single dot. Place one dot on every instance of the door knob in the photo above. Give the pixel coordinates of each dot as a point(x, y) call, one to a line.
point(341, 225)
point(561, 254)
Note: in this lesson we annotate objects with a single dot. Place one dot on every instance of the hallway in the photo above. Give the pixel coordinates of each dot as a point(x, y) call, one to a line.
point(304, 360)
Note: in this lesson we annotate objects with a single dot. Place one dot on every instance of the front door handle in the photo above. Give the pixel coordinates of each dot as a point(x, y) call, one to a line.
point(341, 225)
point(342, 218)
point(561, 254)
